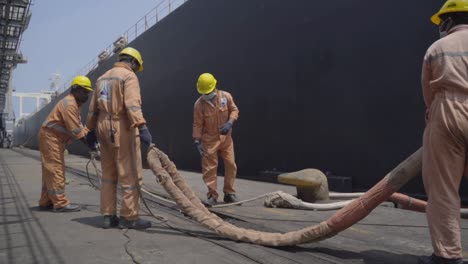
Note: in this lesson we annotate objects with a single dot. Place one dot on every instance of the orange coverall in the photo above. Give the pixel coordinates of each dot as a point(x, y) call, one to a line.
point(445, 142)
point(61, 126)
point(115, 113)
point(208, 118)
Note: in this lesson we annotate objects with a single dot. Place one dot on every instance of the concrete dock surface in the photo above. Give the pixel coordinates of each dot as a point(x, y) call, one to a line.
point(27, 235)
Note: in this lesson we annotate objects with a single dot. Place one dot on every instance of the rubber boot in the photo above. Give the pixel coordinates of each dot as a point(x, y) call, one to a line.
point(68, 208)
point(134, 224)
point(46, 208)
point(110, 221)
point(230, 198)
point(210, 201)
point(433, 259)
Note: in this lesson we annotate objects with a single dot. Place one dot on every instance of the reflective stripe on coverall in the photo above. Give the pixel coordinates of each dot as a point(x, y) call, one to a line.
point(445, 142)
point(61, 126)
point(207, 120)
point(115, 113)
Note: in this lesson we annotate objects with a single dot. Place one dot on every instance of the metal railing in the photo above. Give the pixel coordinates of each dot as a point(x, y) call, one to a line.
point(164, 8)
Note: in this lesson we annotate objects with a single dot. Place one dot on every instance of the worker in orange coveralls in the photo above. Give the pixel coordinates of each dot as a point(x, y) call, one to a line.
point(214, 115)
point(115, 112)
point(445, 143)
point(61, 126)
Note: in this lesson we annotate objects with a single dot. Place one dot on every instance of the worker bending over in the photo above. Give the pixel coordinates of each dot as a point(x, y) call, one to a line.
point(63, 125)
point(213, 117)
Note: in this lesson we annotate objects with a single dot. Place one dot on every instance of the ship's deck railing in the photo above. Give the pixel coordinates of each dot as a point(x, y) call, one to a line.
point(164, 8)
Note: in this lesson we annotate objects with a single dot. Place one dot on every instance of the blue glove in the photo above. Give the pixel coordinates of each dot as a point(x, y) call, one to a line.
point(225, 129)
point(145, 135)
point(91, 139)
point(199, 147)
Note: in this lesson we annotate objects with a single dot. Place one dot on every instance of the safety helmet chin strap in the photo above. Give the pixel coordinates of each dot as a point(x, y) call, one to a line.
point(446, 24)
point(450, 20)
point(135, 65)
point(132, 62)
point(80, 94)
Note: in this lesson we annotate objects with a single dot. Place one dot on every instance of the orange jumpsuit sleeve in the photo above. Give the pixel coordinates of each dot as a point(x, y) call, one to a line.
point(93, 113)
point(72, 120)
point(132, 101)
point(197, 120)
point(232, 108)
point(426, 77)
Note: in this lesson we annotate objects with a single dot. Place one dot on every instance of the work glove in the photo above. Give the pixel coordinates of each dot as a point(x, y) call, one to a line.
point(225, 129)
point(145, 135)
point(91, 140)
point(199, 147)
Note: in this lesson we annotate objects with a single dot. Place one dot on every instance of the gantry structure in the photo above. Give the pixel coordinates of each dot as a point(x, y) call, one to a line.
point(14, 19)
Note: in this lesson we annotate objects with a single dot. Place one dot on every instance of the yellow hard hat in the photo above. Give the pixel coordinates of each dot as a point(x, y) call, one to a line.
point(83, 81)
point(450, 6)
point(135, 54)
point(206, 83)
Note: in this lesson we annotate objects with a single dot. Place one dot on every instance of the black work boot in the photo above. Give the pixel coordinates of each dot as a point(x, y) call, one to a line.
point(110, 221)
point(230, 198)
point(210, 201)
point(433, 259)
point(68, 208)
point(134, 224)
point(46, 208)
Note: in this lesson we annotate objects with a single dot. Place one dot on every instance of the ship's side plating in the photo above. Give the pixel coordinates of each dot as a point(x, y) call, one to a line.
point(333, 85)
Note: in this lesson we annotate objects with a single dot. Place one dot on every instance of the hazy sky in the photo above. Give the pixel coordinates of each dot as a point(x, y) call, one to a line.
point(64, 35)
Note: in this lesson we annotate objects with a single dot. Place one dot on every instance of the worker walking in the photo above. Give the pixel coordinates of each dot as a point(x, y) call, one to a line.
point(116, 120)
point(445, 142)
point(63, 125)
point(214, 115)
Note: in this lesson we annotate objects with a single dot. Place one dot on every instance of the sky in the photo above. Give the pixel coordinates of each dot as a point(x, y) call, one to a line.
point(65, 35)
